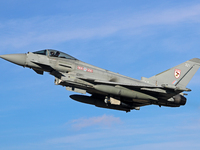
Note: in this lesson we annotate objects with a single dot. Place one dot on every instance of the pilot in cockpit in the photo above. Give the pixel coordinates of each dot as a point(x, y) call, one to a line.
point(57, 54)
point(52, 54)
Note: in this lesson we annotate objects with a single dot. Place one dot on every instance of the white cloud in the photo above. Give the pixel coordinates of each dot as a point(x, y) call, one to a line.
point(106, 121)
point(55, 29)
point(100, 138)
point(177, 131)
point(183, 145)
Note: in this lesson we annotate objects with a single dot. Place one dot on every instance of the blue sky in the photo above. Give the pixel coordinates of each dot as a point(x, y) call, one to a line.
point(134, 38)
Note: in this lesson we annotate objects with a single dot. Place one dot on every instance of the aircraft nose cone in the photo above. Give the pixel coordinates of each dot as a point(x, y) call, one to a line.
point(19, 59)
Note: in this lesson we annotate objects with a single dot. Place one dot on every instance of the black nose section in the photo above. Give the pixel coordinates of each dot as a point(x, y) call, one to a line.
point(19, 59)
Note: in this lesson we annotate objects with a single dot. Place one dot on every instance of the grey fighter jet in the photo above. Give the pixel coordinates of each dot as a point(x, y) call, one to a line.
point(108, 89)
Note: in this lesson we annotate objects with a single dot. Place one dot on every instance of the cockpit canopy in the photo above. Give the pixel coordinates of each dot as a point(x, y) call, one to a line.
point(54, 53)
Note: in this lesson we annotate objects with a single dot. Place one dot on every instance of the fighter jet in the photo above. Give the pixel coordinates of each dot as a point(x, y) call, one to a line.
point(108, 89)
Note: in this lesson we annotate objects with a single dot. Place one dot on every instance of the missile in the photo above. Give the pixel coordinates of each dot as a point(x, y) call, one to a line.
point(124, 92)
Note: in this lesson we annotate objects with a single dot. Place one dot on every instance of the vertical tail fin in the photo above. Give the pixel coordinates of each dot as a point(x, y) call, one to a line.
point(177, 76)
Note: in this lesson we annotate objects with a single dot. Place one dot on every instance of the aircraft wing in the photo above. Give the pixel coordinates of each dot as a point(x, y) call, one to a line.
point(139, 85)
point(130, 85)
point(161, 92)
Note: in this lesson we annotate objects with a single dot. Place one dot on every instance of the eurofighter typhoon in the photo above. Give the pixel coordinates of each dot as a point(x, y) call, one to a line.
point(108, 89)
